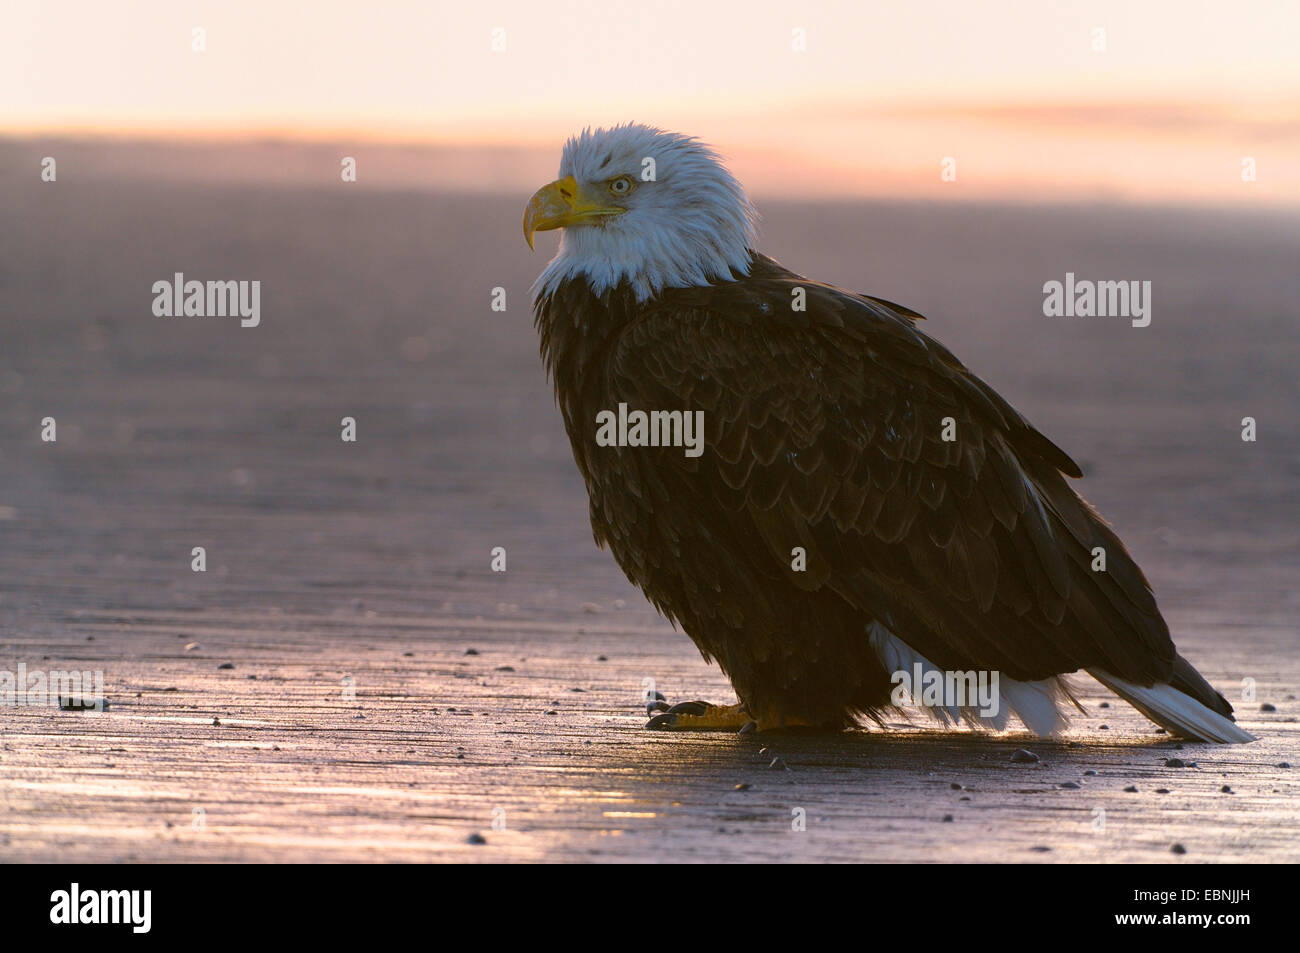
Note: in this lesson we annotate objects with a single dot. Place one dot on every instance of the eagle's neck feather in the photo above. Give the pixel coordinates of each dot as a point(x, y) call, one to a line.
point(705, 243)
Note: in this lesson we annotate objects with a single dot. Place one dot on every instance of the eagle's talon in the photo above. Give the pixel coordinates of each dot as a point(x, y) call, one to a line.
point(654, 706)
point(699, 716)
point(690, 708)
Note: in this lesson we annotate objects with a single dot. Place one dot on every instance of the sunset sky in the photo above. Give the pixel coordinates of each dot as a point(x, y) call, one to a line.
point(1014, 91)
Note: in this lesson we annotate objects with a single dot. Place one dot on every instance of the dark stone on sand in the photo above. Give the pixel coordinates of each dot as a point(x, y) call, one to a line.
point(77, 703)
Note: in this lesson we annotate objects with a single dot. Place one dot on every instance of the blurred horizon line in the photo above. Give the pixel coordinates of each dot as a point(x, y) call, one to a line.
point(1278, 114)
point(1158, 151)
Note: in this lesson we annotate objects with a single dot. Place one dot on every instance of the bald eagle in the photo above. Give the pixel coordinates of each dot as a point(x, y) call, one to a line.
point(863, 505)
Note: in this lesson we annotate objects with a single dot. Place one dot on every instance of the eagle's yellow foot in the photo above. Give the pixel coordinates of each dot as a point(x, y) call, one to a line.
point(700, 716)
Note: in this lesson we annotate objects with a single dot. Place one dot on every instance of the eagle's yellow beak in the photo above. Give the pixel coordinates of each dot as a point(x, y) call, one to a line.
point(562, 203)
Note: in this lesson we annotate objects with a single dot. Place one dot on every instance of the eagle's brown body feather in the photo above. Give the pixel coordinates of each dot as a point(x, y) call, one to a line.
point(823, 431)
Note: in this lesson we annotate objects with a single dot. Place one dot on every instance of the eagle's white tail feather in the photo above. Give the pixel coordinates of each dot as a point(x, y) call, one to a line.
point(1176, 711)
point(1037, 704)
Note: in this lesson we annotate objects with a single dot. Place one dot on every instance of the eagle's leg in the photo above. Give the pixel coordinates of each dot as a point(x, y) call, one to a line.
point(700, 716)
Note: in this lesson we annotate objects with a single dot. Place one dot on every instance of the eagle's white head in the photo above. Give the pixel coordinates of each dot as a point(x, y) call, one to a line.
point(654, 208)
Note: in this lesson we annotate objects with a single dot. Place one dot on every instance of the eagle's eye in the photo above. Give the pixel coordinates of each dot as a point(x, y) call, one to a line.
point(621, 185)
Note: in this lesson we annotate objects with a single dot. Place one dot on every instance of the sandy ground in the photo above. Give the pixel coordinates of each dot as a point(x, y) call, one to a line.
point(366, 564)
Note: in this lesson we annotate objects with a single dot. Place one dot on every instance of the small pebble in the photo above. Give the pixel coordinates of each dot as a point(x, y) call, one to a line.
point(1267, 707)
point(1225, 790)
point(602, 658)
point(216, 721)
point(1104, 705)
point(741, 787)
point(1284, 764)
point(74, 703)
point(476, 839)
point(504, 668)
point(1131, 789)
point(1178, 849)
point(1162, 790)
point(1090, 773)
point(955, 786)
point(1070, 786)
point(226, 665)
point(472, 652)
point(1021, 756)
point(1175, 763)
point(947, 819)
